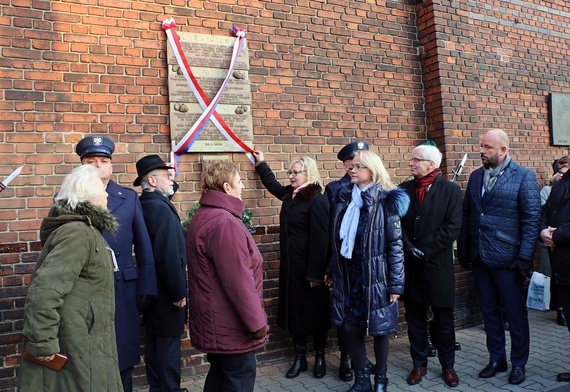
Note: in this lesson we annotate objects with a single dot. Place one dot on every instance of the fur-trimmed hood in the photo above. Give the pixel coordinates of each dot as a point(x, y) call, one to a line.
point(62, 213)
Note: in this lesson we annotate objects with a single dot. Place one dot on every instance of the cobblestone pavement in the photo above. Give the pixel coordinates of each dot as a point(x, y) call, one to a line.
point(549, 355)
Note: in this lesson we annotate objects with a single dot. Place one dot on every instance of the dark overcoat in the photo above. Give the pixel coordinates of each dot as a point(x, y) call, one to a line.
point(131, 279)
point(168, 246)
point(432, 227)
point(304, 236)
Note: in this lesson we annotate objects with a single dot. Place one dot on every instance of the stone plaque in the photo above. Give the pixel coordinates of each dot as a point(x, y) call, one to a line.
point(209, 58)
point(559, 116)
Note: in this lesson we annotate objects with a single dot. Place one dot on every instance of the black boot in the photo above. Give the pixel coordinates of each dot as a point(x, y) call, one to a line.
point(560, 319)
point(361, 382)
point(380, 383)
point(345, 368)
point(320, 369)
point(300, 363)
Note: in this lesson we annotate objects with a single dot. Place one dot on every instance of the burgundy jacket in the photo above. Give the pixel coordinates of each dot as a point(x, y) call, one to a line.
point(225, 278)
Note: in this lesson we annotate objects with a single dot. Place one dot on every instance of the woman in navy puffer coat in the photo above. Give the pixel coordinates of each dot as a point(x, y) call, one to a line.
point(368, 264)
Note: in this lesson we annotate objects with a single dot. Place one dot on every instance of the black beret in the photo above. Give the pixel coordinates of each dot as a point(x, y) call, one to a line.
point(95, 146)
point(347, 152)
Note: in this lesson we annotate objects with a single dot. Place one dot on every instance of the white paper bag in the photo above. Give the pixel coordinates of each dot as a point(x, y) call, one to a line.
point(538, 296)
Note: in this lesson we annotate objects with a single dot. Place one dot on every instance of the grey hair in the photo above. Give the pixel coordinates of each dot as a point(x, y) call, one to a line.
point(430, 152)
point(77, 187)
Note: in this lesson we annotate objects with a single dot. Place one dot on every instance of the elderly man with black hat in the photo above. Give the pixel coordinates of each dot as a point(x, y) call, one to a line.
point(166, 315)
point(135, 283)
point(332, 190)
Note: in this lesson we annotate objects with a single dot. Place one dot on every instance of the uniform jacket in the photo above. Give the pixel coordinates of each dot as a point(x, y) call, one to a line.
point(131, 279)
point(503, 226)
point(556, 213)
point(383, 257)
point(70, 305)
point(167, 240)
point(303, 241)
point(225, 275)
point(432, 228)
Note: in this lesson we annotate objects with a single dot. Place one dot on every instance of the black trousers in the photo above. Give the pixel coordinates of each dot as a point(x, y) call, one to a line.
point(564, 296)
point(442, 331)
point(231, 372)
point(127, 379)
point(163, 358)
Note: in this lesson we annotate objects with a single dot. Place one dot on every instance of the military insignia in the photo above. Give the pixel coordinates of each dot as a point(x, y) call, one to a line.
point(97, 141)
point(360, 146)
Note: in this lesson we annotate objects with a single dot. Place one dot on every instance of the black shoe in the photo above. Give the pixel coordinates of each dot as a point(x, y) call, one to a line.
point(565, 377)
point(345, 368)
point(517, 375)
point(320, 369)
point(432, 352)
point(560, 319)
point(492, 368)
point(457, 346)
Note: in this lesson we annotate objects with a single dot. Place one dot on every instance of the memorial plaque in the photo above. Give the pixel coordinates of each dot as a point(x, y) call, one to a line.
point(209, 58)
point(559, 116)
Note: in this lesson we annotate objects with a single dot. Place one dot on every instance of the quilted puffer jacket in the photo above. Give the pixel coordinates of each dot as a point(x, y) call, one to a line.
point(383, 255)
point(503, 226)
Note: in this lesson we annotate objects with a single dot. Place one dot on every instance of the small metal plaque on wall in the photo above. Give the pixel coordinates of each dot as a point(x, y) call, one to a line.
point(209, 58)
point(559, 116)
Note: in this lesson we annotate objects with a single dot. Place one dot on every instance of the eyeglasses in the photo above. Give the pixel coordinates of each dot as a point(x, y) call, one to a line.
point(162, 174)
point(294, 172)
point(416, 160)
point(357, 167)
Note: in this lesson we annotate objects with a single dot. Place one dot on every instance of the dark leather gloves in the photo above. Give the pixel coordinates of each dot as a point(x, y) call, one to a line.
point(416, 254)
point(143, 302)
point(260, 333)
point(525, 267)
point(462, 258)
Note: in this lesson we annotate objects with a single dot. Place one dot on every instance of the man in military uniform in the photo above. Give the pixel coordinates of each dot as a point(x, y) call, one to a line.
point(134, 283)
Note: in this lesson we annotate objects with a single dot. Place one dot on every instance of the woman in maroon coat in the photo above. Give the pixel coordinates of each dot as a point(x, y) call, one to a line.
point(227, 320)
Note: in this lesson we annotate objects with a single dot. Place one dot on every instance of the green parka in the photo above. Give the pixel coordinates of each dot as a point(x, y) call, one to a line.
point(70, 304)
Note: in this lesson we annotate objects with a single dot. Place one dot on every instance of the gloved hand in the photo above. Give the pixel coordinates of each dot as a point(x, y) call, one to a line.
point(261, 333)
point(416, 254)
point(525, 267)
point(143, 301)
point(462, 258)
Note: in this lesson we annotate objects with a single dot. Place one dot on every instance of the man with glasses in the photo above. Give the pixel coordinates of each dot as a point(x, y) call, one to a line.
point(332, 190)
point(134, 283)
point(429, 229)
point(166, 315)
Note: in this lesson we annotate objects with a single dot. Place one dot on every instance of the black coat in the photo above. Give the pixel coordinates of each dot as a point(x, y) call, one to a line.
point(556, 213)
point(304, 236)
point(432, 228)
point(168, 246)
point(131, 280)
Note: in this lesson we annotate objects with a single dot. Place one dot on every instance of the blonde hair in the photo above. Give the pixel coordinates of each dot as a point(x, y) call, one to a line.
point(309, 166)
point(373, 162)
point(77, 187)
point(216, 173)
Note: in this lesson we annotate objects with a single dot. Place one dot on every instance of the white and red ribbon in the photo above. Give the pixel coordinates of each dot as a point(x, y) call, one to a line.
point(209, 107)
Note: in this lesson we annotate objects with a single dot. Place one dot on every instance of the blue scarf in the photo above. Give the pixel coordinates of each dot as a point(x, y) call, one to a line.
point(349, 223)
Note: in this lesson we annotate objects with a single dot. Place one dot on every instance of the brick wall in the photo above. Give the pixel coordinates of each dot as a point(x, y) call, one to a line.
point(322, 73)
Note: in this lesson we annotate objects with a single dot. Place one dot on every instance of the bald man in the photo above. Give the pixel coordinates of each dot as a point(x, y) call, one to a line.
point(501, 224)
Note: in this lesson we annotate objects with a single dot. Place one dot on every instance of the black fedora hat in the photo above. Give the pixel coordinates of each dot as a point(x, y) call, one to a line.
point(147, 164)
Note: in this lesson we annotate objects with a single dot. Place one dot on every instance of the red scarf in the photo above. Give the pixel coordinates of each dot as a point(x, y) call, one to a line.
point(422, 184)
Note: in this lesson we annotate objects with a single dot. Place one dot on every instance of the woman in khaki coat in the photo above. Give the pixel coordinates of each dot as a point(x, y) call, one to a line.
point(70, 303)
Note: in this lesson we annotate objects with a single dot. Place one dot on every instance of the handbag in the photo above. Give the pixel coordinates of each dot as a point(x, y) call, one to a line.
point(538, 296)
